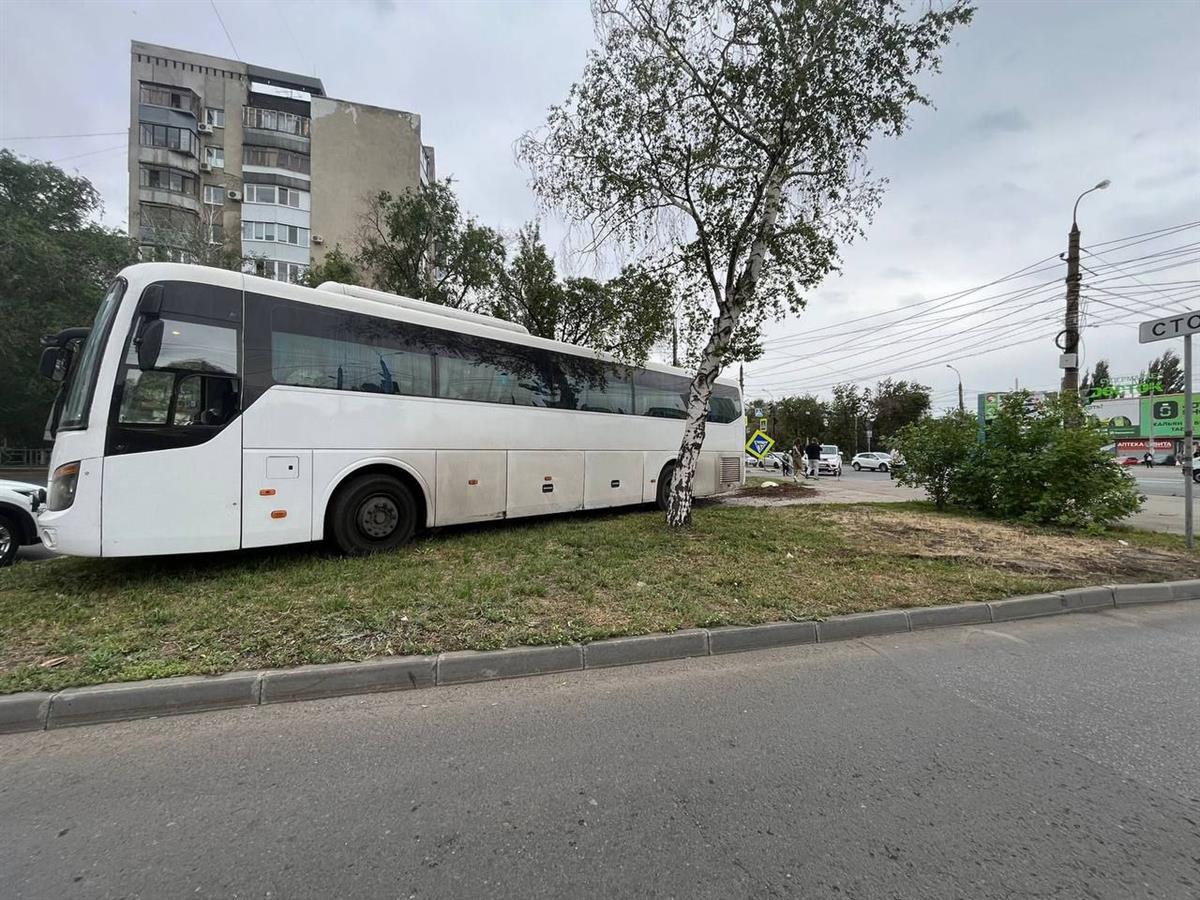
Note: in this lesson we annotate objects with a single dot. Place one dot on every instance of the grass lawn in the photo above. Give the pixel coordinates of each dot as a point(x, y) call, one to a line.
point(69, 622)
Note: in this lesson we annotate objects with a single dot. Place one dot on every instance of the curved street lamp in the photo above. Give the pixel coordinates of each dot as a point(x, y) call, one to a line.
point(961, 408)
point(1070, 333)
point(1075, 212)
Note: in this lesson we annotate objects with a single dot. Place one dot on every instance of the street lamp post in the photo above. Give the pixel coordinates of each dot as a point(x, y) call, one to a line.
point(1070, 344)
point(961, 408)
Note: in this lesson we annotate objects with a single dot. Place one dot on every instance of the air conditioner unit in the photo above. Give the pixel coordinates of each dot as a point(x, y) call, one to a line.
point(205, 167)
point(317, 239)
point(204, 128)
point(234, 195)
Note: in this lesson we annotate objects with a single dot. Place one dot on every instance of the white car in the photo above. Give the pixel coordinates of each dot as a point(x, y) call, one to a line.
point(876, 462)
point(831, 460)
point(19, 503)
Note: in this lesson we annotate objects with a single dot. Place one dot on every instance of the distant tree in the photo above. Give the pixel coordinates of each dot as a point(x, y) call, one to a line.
point(55, 263)
point(623, 316)
point(336, 266)
point(894, 404)
point(1167, 372)
point(727, 141)
point(848, 413)
point(798, 419)
point(420, 244)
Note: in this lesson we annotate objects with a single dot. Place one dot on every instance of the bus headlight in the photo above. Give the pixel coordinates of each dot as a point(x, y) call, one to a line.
point(62, 487)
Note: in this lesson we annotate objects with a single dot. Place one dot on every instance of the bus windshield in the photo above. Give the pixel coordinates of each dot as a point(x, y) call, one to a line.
point(81, 382)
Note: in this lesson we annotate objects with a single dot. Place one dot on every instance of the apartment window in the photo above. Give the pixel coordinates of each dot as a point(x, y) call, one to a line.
point(271, 231)
point(214, 195)
point(172, 138)
point(170, 97)
point(215, 116)
point(216, 233)
point(275, 159)
point(273, 120)
point(260, 193)
point(215, 157)
point(269, 193)
point(275, 269)
point(168, 180)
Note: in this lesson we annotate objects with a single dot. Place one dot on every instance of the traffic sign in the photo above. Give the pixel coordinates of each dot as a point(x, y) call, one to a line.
point(762, 423)
point(1169, 327)
point(760, 444)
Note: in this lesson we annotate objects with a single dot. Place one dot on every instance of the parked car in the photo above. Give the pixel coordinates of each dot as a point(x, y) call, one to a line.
point(876, 462)
point(831, 460)
point(19, 503)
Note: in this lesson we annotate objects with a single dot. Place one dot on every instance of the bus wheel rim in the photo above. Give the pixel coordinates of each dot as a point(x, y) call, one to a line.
point(378, 516)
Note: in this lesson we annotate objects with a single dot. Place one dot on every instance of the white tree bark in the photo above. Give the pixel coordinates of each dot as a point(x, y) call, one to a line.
point(729, 310)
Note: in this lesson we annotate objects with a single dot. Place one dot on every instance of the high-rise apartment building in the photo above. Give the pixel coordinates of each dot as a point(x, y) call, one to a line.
point(222, 151)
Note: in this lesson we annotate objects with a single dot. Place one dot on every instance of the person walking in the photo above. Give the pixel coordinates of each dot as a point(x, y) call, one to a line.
point(812, 454)
point(1148, 460)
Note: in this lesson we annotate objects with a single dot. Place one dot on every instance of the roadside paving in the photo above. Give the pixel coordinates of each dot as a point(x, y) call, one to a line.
point(1052, 757)
point(1162, 511)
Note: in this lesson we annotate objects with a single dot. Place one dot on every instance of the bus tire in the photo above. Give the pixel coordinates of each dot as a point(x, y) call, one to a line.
point(372, 514)
point(662, 496)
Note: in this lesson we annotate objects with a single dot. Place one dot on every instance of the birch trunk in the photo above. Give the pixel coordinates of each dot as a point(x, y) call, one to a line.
point(679, 507)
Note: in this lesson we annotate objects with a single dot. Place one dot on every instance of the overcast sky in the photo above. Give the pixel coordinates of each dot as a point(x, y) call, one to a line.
point(1037, 102)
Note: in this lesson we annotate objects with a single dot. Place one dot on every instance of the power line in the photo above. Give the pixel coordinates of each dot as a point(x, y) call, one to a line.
point(213, 4)
point(89, 153)
point(63, 137)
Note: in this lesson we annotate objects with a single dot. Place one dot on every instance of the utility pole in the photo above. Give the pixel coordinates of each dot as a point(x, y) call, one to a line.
point(1069, 360)
point(675, 344)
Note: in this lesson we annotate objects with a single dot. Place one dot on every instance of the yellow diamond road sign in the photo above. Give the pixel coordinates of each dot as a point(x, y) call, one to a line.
point(760, 444)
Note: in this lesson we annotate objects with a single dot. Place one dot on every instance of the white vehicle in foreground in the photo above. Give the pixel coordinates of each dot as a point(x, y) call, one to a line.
point(209, 410)
point(19, 503)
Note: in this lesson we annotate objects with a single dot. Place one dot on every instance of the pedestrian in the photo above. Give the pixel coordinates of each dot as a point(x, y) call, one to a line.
point(787, 465)
point(1148, 460)
point(812, 453)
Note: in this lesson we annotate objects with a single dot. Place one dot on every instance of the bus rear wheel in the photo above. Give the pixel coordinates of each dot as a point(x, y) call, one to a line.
point(662, 496)
point(372, 514)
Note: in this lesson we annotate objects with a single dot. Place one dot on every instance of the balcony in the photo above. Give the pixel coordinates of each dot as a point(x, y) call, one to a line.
point(161, 197)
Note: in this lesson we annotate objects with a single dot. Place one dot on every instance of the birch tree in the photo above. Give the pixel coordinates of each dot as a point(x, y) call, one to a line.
point(726, 141)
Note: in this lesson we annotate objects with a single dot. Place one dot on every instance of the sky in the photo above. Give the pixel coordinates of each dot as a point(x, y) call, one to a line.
point(1038, 100)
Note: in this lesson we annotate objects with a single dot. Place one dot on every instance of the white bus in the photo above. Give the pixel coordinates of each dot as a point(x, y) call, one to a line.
point(208, 410)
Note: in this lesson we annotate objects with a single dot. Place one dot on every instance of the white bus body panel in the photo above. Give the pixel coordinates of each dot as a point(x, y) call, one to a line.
point(275, 482)
point(184, 500)
point(472, 486)
point(612, 478)
point(544, 481)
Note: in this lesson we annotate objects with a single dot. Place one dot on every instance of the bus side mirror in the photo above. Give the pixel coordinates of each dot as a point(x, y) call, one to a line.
point(50, 365)
point(149, 343)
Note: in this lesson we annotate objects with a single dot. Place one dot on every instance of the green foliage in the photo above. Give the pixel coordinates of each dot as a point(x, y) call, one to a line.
point(1167, 371)
point(54, 265)
point(420, 245)
point(1031, 466)
point(934, 452)
point(336, 266)
point(623, 316)
point(844, 420)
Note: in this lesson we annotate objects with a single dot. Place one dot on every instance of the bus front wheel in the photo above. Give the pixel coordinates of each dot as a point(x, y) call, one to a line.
point(371, 514)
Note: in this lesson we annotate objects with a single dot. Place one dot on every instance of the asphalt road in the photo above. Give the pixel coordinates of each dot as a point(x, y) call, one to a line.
point(1034, 759)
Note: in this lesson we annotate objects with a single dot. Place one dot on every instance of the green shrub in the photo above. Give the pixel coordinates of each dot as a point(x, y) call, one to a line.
point(1030, 466)
point(933, 450)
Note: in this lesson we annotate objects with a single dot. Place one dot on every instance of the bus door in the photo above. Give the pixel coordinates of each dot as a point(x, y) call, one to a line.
point(173, 448)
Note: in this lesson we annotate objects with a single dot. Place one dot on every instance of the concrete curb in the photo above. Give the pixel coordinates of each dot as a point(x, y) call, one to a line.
point(37, 711)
